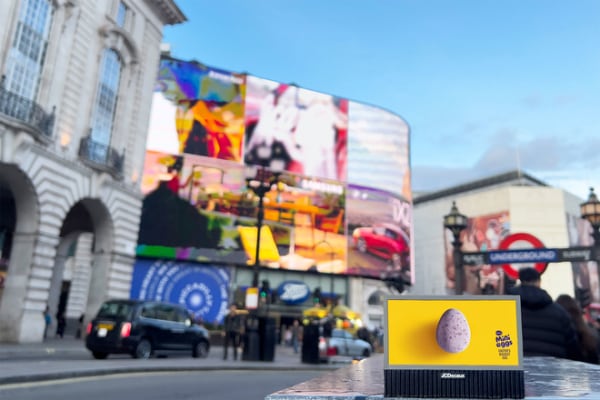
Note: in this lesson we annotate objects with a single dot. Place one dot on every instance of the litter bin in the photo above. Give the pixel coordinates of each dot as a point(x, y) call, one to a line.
point(310, 344)
point(267, 338)
point(251, 340)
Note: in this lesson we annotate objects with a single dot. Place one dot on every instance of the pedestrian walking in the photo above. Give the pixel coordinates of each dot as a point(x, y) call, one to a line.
point(296, 335)
point(232, 331)
point(47, 321)
point(61, 324)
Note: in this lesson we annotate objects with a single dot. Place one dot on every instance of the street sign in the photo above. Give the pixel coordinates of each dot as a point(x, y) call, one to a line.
point(252, 298)
point(535, 253)
point(569, 254)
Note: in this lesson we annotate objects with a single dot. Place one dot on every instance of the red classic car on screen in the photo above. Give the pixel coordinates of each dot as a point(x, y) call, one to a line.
point(384, 240)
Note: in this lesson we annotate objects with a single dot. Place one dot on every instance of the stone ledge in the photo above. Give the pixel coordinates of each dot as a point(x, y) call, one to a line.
point(545, 378)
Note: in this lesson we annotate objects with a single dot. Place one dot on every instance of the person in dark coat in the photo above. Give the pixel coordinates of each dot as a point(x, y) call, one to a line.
point(547, 328)
point(232, 331)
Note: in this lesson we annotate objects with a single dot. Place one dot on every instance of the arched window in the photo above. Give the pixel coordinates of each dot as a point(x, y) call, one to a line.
point(105, 104)
point(26, 55)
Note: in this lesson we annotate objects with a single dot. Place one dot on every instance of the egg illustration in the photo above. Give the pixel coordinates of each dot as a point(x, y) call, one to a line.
point(453, 333)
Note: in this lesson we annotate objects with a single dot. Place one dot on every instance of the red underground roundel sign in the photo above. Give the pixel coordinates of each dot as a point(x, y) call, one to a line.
point(521, 241)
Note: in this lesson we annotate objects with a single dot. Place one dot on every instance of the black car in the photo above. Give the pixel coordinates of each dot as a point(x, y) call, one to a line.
point(140, 328)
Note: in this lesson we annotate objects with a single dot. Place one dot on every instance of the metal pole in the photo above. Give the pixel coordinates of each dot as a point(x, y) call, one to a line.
point(596, 248)
point(458, 266)
point(259, 222)
point(332, 253)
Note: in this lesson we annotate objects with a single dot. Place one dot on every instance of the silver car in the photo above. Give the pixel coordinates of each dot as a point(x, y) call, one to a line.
point(342, 343)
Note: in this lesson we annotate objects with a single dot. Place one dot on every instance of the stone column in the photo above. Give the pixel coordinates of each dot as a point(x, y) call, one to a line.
point(15, 287)
point(80, 283)
point(97, 293)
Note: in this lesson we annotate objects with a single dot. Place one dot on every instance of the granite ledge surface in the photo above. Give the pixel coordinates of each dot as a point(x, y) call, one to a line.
point(545, 378)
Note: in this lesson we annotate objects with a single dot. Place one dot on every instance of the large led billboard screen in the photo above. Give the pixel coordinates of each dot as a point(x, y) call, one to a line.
point(345, 174)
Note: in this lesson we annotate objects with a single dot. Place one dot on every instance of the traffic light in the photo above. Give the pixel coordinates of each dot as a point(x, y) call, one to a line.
point(265, 292)
point(317, 296)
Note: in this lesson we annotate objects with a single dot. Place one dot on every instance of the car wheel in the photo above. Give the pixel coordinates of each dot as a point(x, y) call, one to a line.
point(143, 349)
point(361, 245)
point(200, 349)
point(366, 353)
point(98, 355)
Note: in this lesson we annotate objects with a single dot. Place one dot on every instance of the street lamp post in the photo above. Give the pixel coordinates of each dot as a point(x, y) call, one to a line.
point(590, 210)
point(456, 223)
point(332, 254)
point(260, 179)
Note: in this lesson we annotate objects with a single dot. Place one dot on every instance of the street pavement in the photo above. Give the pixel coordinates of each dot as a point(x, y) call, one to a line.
point(68, 358)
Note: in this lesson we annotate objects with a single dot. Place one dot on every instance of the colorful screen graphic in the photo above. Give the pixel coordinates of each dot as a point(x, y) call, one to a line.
point(202, 289)
point(378, 233)
point(208, 127)
point(201, 111)
point(307, 129)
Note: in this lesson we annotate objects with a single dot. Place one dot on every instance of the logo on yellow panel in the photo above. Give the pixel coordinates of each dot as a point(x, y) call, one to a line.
point(504, 344)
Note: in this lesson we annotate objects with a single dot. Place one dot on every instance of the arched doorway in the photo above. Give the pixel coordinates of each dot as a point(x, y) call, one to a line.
point(19, 221)
point(8, 221)
point(81, 265)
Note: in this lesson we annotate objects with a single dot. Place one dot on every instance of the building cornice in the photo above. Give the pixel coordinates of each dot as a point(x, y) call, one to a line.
point(170, 13)
point(518, 177)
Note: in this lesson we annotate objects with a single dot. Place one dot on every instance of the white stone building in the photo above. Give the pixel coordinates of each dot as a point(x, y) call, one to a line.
point(530, 206)
point(75, 98)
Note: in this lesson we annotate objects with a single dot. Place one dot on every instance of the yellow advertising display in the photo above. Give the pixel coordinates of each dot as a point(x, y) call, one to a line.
point(451, 342)
point(458, 332)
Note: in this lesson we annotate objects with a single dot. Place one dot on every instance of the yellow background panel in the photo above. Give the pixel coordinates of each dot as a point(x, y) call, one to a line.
point(411, 329)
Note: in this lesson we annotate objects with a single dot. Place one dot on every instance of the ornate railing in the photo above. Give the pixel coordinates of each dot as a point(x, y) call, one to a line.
point(101, 156)
point(25, 110)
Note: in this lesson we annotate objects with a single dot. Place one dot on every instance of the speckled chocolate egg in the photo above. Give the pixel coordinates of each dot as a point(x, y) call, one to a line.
point(453, 333)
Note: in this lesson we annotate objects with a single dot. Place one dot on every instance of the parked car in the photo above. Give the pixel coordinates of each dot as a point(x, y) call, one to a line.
point(343, 343)
point(385, 240)
point(141, 328)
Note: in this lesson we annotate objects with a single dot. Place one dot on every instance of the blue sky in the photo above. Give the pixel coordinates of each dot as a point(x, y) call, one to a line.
point(486, 86)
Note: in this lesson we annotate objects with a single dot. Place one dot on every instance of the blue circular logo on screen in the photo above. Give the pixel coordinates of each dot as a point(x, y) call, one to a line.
point(203, 290)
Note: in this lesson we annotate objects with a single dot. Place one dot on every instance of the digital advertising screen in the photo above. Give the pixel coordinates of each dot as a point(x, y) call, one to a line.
point(379, 226)
point(305, 128)
point(341, 203)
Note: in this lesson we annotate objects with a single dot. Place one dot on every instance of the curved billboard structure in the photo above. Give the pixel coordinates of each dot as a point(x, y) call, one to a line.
point(342, 204)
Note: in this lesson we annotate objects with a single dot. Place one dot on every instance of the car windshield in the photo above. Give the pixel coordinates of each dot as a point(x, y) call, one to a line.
point(114, 310)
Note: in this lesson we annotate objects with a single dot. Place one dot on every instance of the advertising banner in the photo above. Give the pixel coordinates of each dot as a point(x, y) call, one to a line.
point(379, 226)
point(453, 331)
point(199, 209)
point(207, 129)
point(483, 233)
point(305, 128)
point(202, 289)
point(467, 347)
point(197, 110)
point(585, 273)
point(378, 150)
